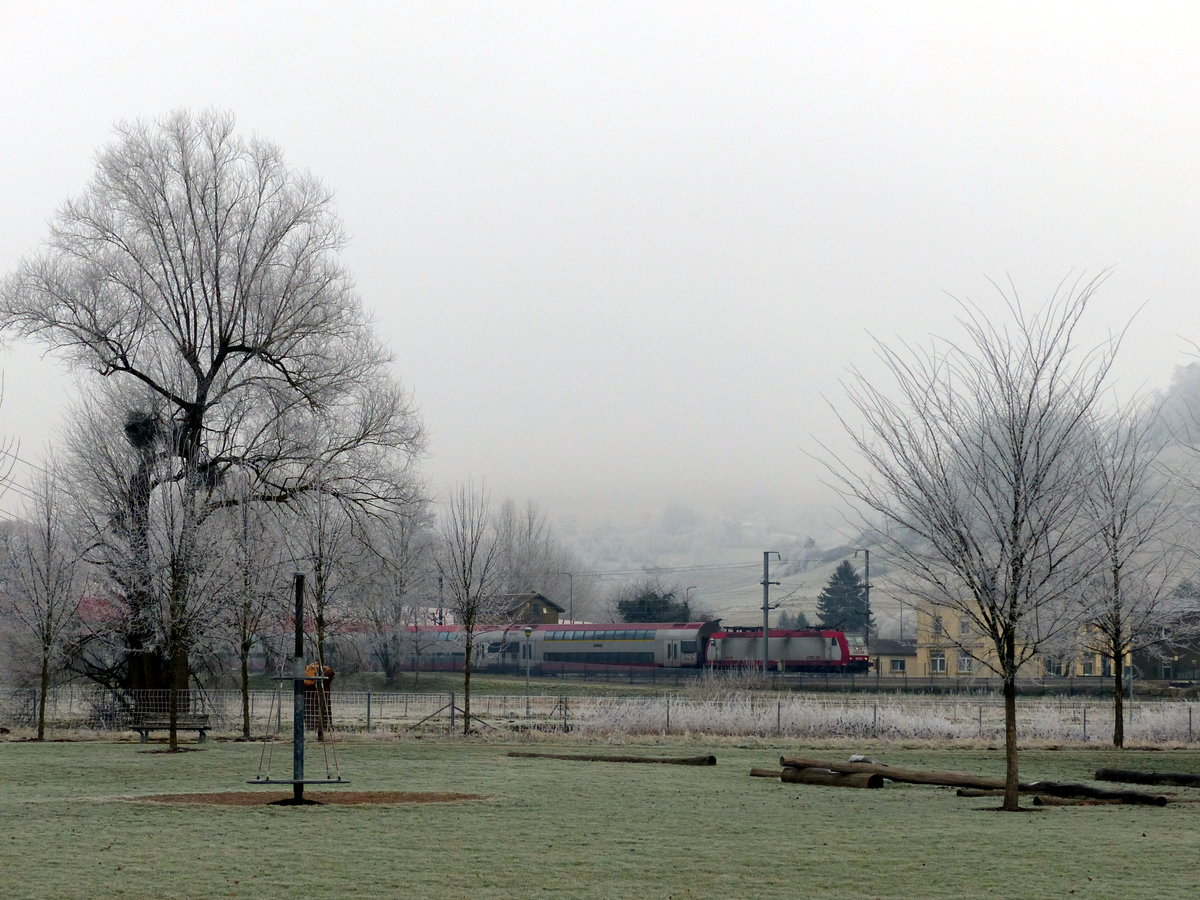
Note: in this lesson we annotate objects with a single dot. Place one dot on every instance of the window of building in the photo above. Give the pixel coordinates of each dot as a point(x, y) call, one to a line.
point(964, 626)
point(1054, 667)
point(937, 662)
point(939, 625)
point(1089, 665)
point(965, 662)
point(897, 665)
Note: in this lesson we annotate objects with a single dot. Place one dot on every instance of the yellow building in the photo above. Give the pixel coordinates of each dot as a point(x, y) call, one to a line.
point(949, 646)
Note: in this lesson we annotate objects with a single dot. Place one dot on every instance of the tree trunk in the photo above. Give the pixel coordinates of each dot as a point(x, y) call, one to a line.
point(45, 686)
point(467, 684)
point(831, 779)
point(245, 679)
point(602, 757)
point(907, 776)
point(179, 684)
point(1118, 701)
point(1012, 783)
point(1131, 776)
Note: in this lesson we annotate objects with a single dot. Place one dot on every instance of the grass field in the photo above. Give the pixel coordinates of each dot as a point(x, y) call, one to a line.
point(71, 825)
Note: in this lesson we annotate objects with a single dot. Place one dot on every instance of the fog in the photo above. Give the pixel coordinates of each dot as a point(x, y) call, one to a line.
point(624, 252)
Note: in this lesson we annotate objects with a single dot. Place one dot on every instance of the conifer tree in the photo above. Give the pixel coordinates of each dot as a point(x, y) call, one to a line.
point(843, 603)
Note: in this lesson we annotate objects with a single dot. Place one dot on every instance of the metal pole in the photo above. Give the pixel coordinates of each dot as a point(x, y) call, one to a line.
point(571, 601)
point(528, 660)
point(298, 696)
point(867, 595)
point(766, 607)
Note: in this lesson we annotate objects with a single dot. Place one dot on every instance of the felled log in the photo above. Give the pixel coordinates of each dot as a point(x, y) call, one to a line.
point(830, 778)
point(591, 757)
point(910, 776)
point(978, 792)
point(1130, 776)
point(1077, 791)
point(766, 773)
point(1039, 800)
point(958, 779)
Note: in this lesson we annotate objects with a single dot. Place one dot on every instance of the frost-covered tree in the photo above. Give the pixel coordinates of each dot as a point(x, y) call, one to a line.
point(975, 466)
point(1130, 602)
point(468, 562)
point(200, 268)
point(42, 578)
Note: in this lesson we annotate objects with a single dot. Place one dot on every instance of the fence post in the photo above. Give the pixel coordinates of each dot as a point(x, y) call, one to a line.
point(368, 712)
point(564, 709)
point(778, 716)
point(1085, 737)
point(452, 712)
point(668, 714)
point(875, 717)
point(981, 720)
point(1189, 723)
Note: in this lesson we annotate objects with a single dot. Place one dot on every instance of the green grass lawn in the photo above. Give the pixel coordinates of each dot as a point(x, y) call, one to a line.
point(71, 826)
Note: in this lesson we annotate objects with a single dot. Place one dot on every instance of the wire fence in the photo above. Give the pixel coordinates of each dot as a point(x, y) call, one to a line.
point(792, 715)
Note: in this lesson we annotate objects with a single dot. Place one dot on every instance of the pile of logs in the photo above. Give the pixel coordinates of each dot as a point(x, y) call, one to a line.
point(873, 775)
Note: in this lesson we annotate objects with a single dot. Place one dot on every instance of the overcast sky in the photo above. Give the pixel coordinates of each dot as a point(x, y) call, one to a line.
point(622, 251)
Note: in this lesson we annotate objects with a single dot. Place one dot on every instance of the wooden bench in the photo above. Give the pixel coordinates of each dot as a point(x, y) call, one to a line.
point(184, 722)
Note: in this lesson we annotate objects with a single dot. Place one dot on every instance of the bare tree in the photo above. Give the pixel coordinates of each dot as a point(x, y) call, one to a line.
point(325, 538)
point(42, 581)
point(1129, 601)
point(260, 590)
point(978, 470)
point(470, 567)
point(199, 267)
point(395, 601)
point(534, 559)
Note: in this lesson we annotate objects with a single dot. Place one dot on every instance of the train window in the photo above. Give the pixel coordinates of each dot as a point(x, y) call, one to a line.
point(687, 646)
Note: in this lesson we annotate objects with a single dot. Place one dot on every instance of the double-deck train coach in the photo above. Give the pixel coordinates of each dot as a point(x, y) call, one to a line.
point(581, 648)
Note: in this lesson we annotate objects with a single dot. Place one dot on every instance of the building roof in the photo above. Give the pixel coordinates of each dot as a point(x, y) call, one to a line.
point(890, 647)
point(516, 601)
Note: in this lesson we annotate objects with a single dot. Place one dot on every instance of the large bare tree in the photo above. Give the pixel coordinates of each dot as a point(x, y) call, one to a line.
point(977, 467)
point(199, 267)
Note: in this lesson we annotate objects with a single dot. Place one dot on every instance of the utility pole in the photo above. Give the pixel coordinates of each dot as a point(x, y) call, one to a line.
point(571, 602)
point(867, 595)
point(766, 607)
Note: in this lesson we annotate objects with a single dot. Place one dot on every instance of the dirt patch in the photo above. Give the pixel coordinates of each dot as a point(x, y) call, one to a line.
point(321, 798)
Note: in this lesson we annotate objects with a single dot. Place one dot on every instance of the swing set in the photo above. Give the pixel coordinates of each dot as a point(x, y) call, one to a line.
point(315, 678)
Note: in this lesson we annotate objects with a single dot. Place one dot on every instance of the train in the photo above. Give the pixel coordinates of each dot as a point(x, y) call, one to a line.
point(576, 647)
